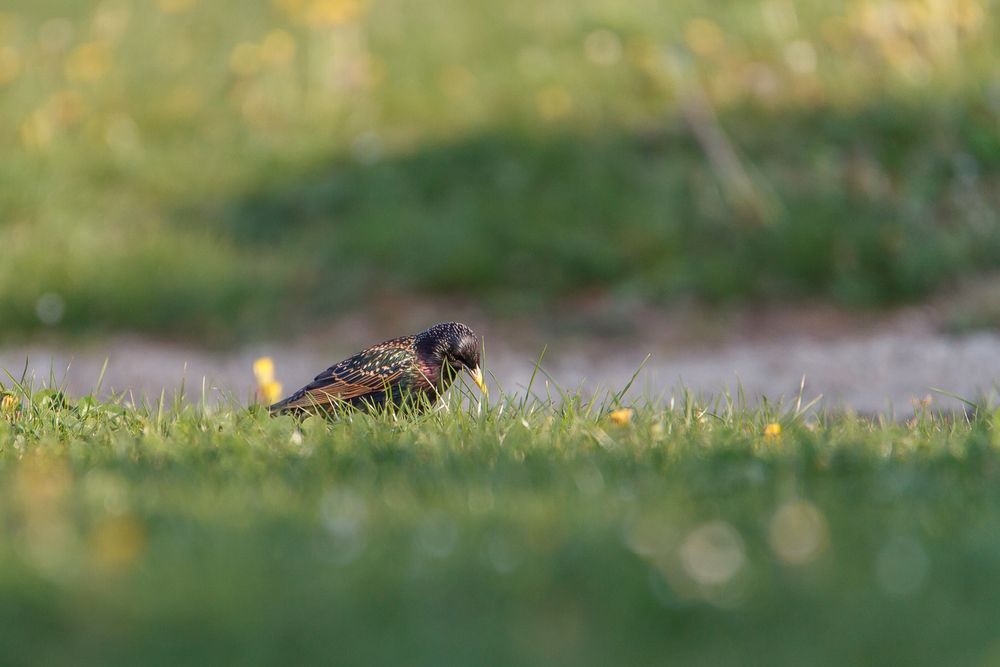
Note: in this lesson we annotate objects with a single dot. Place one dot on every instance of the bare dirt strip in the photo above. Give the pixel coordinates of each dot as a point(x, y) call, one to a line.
point(870, 365)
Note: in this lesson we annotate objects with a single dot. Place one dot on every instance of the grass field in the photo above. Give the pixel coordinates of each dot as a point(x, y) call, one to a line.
point(220, 169)
point(523, 533)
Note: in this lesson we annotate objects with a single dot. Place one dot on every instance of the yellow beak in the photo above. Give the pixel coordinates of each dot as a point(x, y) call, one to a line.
point(477, 377)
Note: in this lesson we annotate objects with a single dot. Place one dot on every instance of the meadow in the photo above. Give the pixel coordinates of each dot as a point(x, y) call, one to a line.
point(223, 169)
point(528, 531)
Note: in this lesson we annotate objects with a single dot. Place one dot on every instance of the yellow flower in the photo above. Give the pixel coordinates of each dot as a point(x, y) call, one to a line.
point(268, 389)
point(621, 416)
point(269, 392)
point(772, 431)
point(263, 370)
point(8, 403)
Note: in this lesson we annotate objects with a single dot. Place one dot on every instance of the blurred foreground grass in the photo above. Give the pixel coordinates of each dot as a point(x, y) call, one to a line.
point(526, 534)
point(230, 168)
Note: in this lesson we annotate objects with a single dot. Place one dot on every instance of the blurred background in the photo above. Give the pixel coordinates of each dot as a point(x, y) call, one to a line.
point(193, 183)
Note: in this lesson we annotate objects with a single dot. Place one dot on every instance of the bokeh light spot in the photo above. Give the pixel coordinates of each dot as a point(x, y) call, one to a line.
point(713, 553)
point(797, 532)
point(118, 541)
point(603, 47)
point(50, 308)
point(704, 37)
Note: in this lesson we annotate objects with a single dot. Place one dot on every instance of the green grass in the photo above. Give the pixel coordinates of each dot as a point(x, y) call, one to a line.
point(228, 169)
point(524, 533)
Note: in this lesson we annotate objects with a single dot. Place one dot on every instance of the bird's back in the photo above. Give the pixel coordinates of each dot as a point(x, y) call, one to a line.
point(370, 378)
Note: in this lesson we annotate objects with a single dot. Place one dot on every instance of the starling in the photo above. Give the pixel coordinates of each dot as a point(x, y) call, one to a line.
point(423, 365)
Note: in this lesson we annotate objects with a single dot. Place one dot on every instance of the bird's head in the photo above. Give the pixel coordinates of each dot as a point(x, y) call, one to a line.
point(454, 345)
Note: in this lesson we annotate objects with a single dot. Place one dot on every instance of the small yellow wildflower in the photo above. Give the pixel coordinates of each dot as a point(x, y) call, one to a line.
point(621, 416)
point(772, 431)
point(269, 392)
point(8, 403)
point(268, 389)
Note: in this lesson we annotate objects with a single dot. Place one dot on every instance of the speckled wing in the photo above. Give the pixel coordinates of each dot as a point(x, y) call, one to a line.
point(370, 372)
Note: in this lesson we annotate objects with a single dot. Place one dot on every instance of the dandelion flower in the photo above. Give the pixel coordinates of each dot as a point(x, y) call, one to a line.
point(621, 416)
point(269, 392)
point(268, 389)
point(263, 370)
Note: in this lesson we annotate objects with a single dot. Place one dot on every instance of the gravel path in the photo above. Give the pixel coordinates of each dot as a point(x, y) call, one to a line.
point(871, 368)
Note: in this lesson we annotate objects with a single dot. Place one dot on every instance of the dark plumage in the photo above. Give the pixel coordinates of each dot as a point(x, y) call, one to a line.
point(412, 366)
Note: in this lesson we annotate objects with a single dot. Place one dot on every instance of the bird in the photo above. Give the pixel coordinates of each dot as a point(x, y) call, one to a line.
point(392, 372)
